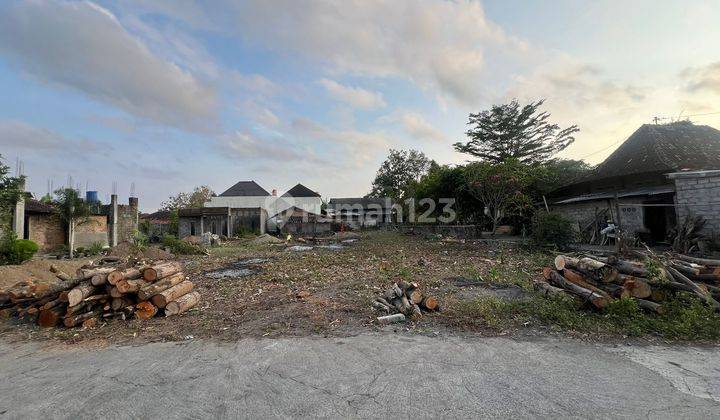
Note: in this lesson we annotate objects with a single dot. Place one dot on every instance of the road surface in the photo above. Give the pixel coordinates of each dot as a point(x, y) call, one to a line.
point(368, 376)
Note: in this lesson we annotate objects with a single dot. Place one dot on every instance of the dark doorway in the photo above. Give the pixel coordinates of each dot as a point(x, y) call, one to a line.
point(659, 215)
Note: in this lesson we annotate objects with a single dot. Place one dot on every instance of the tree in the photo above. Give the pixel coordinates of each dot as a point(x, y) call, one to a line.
point(445, 181)
point(499, 187)
point(197, 198)
point(10, 193)
point(72, 210)
point(510, 131)
point(398, 173)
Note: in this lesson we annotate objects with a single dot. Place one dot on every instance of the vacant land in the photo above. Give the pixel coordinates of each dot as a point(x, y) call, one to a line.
point(485, 287)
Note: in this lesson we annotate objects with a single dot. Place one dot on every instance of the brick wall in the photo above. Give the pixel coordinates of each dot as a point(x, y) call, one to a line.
point(127, 220)
point(47, 231)
point(698, 193)
point(631, 217)
point(94, 229)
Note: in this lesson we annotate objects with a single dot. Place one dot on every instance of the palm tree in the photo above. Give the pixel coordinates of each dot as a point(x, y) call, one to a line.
point(73, 211)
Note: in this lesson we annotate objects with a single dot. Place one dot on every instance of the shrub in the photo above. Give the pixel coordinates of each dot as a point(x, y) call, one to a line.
point(139, 241)
point(551, 229)
point(16, 251)
point(94, 249)
point(180, 247)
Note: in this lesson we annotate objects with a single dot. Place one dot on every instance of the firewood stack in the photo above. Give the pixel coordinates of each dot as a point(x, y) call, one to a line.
point(406, 299)
point(98, 292)
point(601, 280)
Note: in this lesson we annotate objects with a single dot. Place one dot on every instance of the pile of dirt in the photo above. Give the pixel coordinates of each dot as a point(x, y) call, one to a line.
point(38, 271)
point(267, 239)
point(126, 250)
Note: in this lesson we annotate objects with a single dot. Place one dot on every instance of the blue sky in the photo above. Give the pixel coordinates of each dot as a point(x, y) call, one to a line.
point(173, 94)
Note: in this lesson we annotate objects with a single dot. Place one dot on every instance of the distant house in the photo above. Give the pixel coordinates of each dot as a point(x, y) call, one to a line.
point(297, 221)
point(220, 221)
point(652, 181)
point(361, 212)
point(248, 194)
point(157, 224)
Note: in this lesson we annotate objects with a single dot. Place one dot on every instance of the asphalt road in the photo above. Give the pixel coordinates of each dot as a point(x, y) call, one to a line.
point(382, 375)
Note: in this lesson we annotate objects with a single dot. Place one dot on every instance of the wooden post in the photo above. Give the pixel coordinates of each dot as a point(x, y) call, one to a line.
point(547, 209)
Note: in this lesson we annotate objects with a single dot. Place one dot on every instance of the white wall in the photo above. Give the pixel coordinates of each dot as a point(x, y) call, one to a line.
point(273, 205)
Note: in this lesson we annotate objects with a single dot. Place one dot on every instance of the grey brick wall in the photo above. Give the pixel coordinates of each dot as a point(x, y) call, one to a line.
point(699, 195)
point(631, 217)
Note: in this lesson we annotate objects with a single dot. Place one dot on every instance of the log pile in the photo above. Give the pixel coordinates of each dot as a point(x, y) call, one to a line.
point(597, 281)
point(402, 300)
point(98, 292)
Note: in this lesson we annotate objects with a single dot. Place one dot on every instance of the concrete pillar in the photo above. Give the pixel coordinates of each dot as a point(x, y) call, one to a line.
point(229, 224)
point(202, 225)
point(19, 214)
point(113, 220)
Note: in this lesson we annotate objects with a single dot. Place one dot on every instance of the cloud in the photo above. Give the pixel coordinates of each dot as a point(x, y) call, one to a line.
point(355, 96)
point(419, 128)
point(83, 46)
point(260, 114)
point(439, 45)
point(704, 78)
point(21, 136)
point(247, 146)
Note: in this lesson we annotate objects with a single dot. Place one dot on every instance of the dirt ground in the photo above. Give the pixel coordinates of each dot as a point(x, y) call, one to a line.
point(37, 271)
point(323, 291)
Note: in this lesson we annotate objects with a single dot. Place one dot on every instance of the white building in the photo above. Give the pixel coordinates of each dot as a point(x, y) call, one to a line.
point(248, 194)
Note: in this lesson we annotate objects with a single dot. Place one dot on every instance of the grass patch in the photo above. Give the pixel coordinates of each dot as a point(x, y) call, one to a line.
point(685, 317)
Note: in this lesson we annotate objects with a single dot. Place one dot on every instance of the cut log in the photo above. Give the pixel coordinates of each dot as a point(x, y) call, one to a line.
point(597, 269)
point(546, 272)
point(151, 290)
point(694, 260)
point(389, 319)
point(101, 297)
point(145, 310)
point(416, 312)
point(545, 289)
point(122, 302)
point(71, 321)
point(131, 286)
point(160, 271)
point(88, 273)
point(62, 287)
point(90, 323)
point(629, 268)
point(650, 306)
point(50, 317)
point(375, 304)
point(658, 295)
point(80, 292)
point(597, 300)
point(637, 288)
point(182, 304)
point(161, 299)
point(430, 303)
point(704, 295)
point(416, 296)
point(53, 304)
point(59, 273)
point(126, 274)
point(577, 278)
point(98, 279)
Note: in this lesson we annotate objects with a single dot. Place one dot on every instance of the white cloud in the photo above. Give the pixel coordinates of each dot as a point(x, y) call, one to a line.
point(83, 46)
point(20, 136)
point(355, 96)
point(419, 128)
point(701, 78)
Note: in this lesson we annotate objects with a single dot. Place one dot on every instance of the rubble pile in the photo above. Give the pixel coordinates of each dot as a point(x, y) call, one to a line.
point(108, 289)
point(601, 280)
point(402, 300)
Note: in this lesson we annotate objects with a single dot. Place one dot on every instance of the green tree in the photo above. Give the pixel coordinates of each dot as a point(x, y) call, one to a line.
point(197, 198)
point(500, 187)
point(398, 173)
point(446, 181)
point(10, 193)
point(72, 210)
point(511, 131)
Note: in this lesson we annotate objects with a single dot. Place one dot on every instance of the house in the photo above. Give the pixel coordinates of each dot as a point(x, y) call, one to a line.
point(361, 212)
point(220, 221)
point(156, 225)
point(297, 221)
point(651, 182)
point(248, 194)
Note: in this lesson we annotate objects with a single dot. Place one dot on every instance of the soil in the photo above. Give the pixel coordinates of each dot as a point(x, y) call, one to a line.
point(151, 253)
point(37, 270)
point(318, 291)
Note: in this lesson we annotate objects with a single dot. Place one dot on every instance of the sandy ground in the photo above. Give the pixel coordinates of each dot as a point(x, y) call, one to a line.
point(37, 270)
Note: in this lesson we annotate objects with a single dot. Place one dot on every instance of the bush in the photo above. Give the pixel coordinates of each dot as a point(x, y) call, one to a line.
point(94, 249)
point(551, 229)
point(180, 247)
point(16, 251)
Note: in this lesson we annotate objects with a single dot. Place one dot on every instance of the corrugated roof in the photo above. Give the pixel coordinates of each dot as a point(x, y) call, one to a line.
point(300, 191)
point(621, 194)
point(663, 148)
point(245, 189)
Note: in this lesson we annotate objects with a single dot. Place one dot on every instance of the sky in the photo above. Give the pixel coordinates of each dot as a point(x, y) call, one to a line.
point(162, 96)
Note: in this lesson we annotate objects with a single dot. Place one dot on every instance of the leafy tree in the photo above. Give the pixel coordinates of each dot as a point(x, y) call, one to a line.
point(72, 210)
point(197, 198)
point(559, 172)
point(499, 187)
point(445, 181)
point(511, 131)
point(398, 173)
point(10, 193)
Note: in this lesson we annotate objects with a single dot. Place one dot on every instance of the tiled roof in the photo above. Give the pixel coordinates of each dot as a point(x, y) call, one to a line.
point(245, 189)
point(300, 191)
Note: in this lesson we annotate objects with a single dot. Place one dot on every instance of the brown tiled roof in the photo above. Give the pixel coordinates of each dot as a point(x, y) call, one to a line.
point(663, 148)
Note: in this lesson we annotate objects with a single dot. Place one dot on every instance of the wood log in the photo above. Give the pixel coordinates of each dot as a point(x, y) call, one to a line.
point(63, 296)
point(101, 297)
point(63, 276)
point(160, 271)
point(702, 294)
point(637, 288)
point(182, 304)
point(161, 299)
point(121, 302)
point(416, 296)
point(131, 286)
point(145, 310)
point(375, 304)
point(79, 308)
point(578, 278)
point(53, 304)
point(80, 292)
point(151, 290)
point(694, 260)
point(416, 312)
point(98, 279)
point(90, 323)
point(597, 300)
point(126, 274)
point(88, 273)
point(545, 289)
point(630, 268)
point(547, 270)
point(389, 319)
point(658, 295)
point(71, 321)
point(688, 271)
point(598, 269)
point(430, 303)
point(50, 317)
point(650, 306)
point(62, 287)
point(114, 292)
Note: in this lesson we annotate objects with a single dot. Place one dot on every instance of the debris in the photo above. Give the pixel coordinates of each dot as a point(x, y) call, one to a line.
point(406, 298)
point(298, 248)
point(267, 239)
point(389, 319)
